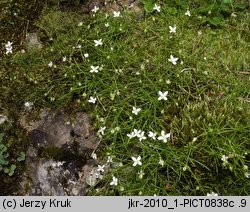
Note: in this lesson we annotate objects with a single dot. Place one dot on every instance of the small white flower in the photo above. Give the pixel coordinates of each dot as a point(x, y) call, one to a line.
point(64, 59)
point(98, 175)
point(92, 100)
point(136, 110)
point(86, 55)
point(94, 69)
point(132, 135)
point(212, 194)
point(80, 23)
point(224, 158)
point(107, 25)
point(94, 156)
point(172, 29)
point(188, 13)
point(157, 8)
point(114, 181)
point(164, 137)
point(137, 132)
point(98, 42)
point(163, 95)
point(161, 162)
point(141, 136)
point(110, 159)
point(79, 46)
point(28, 105)
point(101, 130)
point(247, 174)
point(173, 59)
point(100, 168)
point(137, 161)
point(50, 64)
point(116, 14)
point(95, 9)
point(152, 135)
point(8, 44)
point(141, 174)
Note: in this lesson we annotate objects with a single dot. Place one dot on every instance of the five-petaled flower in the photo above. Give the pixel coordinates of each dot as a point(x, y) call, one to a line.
point(172, 29)
point(98, 42)
point(92, 100)
point(164, 137)
point(94, 69)
point(137, 161)
point(157, 8)
point(173, 59)
point(136, 110)
point(163, 95)
point(114, 181)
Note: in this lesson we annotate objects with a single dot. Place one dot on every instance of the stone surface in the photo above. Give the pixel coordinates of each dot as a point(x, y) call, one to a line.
point(58, 160)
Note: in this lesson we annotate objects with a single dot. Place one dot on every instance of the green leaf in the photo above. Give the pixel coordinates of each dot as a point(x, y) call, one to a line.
point(21, 156)
point(12, 169)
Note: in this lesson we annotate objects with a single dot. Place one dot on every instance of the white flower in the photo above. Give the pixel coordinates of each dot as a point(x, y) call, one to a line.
point(86, 55)
point(141, 136)
point(137, 161)
point(161, 162)
point(95, 9)
point(163, 95)
point(98, 175)
point(110, 160)
point(173, 59)
point(164, 137)
point(172, 29)
point(157, 8)
point(114, 181)
point(50, 64)
point(101, 130)
point(64, 59)
point(212, 194)
point(188, 13)
point(100, 168)
point(80, 23)
point(8, 47)
point(137, 133)
point(107, 25)
point(92, 100)
point(247, 174)
point(132, 135)
point(98, 42)
point(94, 156)
point(152, 135)
point(116, 14)
point(141, 174)
point(28, 105)
point(94, 69)
point(224, 158)
point(136, 110)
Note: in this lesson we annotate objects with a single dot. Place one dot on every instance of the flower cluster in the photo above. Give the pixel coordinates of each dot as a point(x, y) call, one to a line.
point(8, 47)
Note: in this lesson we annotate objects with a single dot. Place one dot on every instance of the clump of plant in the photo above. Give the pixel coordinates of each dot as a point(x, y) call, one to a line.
point(5, 165)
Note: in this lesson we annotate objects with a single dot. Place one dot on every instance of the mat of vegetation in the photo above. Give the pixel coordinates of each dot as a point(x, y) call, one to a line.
point(169, 93)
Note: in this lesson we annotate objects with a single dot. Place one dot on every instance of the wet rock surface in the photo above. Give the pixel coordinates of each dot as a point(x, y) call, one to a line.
point(59, 159)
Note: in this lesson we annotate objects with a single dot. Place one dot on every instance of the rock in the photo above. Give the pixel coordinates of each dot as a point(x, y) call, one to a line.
point(3, 119)
point(59, 159)
point(32, 41)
